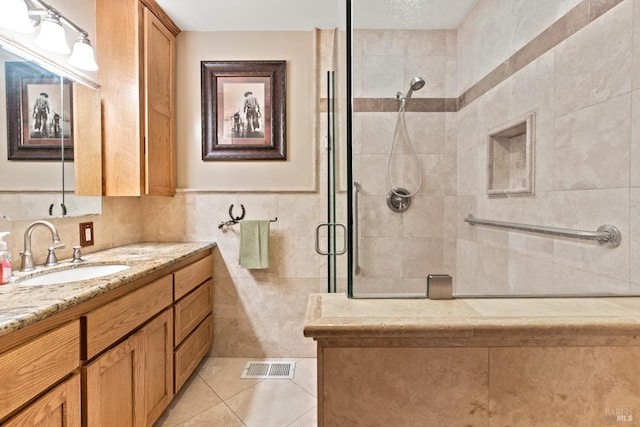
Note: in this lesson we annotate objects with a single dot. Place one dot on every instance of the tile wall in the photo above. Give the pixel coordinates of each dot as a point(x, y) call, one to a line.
point(120, 223)
point(584, 93)
point(398, 250)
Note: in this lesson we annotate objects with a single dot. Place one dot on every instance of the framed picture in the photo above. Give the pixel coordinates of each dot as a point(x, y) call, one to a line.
point(243, 110)
point(39, 113)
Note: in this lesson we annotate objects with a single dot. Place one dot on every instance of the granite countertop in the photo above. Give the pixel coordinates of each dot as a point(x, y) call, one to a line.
point(22, 305)
point(475, 321)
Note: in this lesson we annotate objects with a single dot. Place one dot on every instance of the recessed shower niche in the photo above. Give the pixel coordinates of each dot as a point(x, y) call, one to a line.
point(510, 158)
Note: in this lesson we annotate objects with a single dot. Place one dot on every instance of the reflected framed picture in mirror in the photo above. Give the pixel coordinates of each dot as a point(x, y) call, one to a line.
point(39, 113)
point(243, 110)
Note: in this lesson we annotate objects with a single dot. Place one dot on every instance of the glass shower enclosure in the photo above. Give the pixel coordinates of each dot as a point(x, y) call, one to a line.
point(401, 174)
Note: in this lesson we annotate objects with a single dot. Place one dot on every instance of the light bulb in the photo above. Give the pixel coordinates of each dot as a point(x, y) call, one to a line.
point(52, 36)
point(15, 17)
point(83, 56)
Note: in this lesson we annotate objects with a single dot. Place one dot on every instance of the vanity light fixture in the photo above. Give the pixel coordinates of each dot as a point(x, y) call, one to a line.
point(52, 36)
point(16, 17)
point(82, 56)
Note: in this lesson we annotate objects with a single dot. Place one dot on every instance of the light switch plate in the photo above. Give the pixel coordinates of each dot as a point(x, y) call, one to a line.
point(86, 234)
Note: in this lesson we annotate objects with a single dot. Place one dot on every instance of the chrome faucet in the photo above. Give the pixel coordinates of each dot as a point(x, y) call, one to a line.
point(27, 256)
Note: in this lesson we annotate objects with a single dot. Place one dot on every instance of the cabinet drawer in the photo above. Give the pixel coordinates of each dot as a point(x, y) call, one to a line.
point(109, 323)
point(191, 352)
point(190, 310)
point(191, 276)
point(31, 368)
point(59, 407)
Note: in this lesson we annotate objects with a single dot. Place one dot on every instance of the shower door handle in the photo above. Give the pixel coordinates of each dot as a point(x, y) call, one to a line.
point(329, 227)
point(356, 261)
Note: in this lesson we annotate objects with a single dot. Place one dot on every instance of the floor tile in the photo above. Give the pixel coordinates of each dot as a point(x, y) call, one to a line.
point(310, 419)
point(271, 403)
point(219, 415)
point(216, 396)
point(195, 397)
point(306, 375)
point(223, 376)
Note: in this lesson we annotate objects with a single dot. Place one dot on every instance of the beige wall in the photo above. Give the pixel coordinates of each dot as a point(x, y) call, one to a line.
point(120, 223)
point(297, 173)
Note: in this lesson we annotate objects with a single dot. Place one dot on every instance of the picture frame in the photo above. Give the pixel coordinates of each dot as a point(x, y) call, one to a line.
point(39, 113)
point(243, 110)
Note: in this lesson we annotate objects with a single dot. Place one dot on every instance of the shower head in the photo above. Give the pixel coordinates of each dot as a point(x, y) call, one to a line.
point(417, 83)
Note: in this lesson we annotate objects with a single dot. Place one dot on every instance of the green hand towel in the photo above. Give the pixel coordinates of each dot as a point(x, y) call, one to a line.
point(254, 243)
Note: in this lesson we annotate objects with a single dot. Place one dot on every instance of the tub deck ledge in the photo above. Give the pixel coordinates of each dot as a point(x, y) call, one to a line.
point(334, 318)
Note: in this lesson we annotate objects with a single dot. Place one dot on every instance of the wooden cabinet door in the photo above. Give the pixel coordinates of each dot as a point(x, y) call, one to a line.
point(137, 73)
point(87, 136)
point(114, 386)
point(58, 408)
point(27, 370)
point(119, 55)
point(159, 86)
point(158, 351)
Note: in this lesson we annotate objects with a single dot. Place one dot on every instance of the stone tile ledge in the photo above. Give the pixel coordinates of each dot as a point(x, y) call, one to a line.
point(334, 319)
point(22, 305)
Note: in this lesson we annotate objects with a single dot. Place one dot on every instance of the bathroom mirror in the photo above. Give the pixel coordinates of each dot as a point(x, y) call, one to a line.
point(36, 181)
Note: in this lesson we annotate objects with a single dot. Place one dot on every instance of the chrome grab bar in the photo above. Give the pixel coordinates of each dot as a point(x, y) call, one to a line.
point(356, 261)
point(606, 235)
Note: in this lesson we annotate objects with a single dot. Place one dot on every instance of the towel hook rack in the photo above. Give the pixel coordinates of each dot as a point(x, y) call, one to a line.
point(237, 219)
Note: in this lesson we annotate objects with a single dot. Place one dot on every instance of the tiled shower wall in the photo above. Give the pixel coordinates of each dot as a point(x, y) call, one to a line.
point(585, 91)
point(398, 250)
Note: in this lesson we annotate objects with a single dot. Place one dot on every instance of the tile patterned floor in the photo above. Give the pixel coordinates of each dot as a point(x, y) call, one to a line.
point(216, 396)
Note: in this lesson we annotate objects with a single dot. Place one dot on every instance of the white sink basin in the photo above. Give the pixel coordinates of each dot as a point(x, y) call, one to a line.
point(73, 274)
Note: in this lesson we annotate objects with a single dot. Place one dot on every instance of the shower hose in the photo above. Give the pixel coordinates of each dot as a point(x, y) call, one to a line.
point(401, 125)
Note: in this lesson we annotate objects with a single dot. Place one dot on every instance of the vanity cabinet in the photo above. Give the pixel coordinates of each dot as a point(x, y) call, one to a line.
point(161, 333)
point(193, 307)
point(28, 370)
point(135, 47)
point(131, 383)
point(116, 359)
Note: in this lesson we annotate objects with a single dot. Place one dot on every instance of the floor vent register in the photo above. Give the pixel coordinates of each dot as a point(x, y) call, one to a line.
point(267, 369)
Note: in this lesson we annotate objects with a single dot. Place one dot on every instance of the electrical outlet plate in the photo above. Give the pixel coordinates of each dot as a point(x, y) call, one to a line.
point(86, 234)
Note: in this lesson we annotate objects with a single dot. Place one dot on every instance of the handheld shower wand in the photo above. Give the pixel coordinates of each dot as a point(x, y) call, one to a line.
point(416, 83)
point(399, 199)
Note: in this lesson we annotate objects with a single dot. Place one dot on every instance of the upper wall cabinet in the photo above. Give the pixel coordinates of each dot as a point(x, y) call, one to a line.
point(135, 46)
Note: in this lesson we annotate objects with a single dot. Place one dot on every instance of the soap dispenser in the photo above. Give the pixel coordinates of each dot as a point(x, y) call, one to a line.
point(5, 260)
